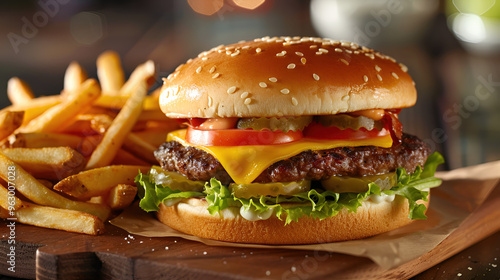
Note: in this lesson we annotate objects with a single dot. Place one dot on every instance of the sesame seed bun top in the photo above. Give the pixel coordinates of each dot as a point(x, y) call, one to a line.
point(284, 77)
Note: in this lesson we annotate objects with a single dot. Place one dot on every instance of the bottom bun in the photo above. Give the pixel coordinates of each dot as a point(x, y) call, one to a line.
point(191, 217)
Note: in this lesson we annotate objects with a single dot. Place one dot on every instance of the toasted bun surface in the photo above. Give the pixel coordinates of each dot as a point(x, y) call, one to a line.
point(283, 77)
point(192, 217)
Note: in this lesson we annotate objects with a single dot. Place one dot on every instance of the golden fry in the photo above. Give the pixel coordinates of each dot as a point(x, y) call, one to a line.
point(153, 137)
point(9, 201)
point(62, 219)
point(143, 73)
point(56, 118)
point(117, 102)
point(9, 122)
point(117, 132)
point(74, 77)
point(34, 107)
point(121, 196)
point(125, 158)
point(33, 190)
point(40, 140)
point(98, 181)
point(18, 91)
point(110, 73)
point(52, 163)
point(140, 148)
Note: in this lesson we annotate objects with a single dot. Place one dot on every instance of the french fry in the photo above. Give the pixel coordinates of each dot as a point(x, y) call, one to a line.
point(18, 91)
point(52, 163)
point(46, 183)
point(33, 190)
point(98, 181)
point(142, 73)
point(34, 107)
point(117, 102)
point(62, 219)
point(153, 137)
point(4, 213)
point(117, 132)
point(140, 148)
point(40, 140)
point(56, 118)
point(110, 72)
point(121, 196)
point(74, 77)
point(125, 158)
point(88, 144)
point(9, 122)
point(9, 201)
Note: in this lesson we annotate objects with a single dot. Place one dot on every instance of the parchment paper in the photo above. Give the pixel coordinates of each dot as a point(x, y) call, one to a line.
point(462, 191)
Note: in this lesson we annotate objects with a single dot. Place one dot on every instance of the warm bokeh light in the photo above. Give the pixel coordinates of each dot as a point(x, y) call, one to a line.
point(249, 4)
point(206, 7)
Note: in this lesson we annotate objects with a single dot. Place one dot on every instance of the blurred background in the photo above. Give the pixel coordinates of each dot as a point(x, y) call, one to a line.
point(451, 47)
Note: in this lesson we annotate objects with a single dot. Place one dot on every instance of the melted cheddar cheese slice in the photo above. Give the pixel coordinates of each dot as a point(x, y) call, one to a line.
point(245, 163)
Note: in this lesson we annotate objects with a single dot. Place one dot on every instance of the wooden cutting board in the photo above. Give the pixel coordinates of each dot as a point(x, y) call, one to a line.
point(51, 254)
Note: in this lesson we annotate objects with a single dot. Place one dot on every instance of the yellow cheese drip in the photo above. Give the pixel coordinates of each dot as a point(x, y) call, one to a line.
point(245, 163)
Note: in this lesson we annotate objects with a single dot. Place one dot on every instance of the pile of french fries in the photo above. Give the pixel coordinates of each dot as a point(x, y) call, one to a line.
point(68, 160)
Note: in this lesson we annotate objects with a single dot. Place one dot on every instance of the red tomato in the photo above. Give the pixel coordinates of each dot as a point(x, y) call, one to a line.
point(240, 137)
point(318, 131)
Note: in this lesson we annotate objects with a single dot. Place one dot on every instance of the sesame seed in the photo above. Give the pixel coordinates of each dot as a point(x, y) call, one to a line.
point(262, 85)
point(345, 44)
point(299, 53)
point(228, 52)
point(395, 75)
point(344, 61)
point(338, 50)
point(247, 101)
point(403, 67)
point(281, 53)
point(365, 78)
point(245, 47)
point(370, 55)
point(210, 101)
point(236, 53)
point(220, 50)
point(169, 76)
point(319, 53)
point(291, 66)
point(354, 46)
point(285, 91)
point(231, 90)
point(316, 77)
point(356, 52)
point(294, 101)
point(198, 70)
point(215, 75)
point(273, 79)
point(348, 51)
point(313, 46)
point(379, 77)
point(244, 95)
point(212, 70)
point(323, 50)
point(303, 60)
point(258, 50)
point(189, 60)
point(378, 68)
point(204, 58)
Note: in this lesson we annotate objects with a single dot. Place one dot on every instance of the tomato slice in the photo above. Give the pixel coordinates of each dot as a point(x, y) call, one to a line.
point(239, 137)
point(318, 131)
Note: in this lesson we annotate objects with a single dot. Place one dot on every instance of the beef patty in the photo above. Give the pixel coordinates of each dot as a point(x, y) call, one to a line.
point(310, 165)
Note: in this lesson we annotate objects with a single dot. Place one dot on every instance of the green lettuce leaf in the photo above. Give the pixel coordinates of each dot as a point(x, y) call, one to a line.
point(313, 203)
point(152, 194)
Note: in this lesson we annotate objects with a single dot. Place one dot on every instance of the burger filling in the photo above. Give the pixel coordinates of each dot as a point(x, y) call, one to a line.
point(331, 163)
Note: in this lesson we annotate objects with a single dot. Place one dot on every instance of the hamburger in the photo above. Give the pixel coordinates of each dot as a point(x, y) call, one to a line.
point(289, 141)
